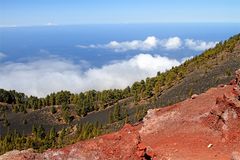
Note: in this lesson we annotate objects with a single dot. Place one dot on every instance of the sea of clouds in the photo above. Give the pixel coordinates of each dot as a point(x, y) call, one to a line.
point(42, 76)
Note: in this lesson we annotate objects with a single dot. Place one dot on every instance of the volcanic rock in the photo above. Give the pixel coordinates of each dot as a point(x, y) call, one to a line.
point(202, 128)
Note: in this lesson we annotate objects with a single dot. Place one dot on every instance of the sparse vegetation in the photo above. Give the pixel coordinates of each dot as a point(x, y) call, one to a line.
point(42, 140)
point(81, 104)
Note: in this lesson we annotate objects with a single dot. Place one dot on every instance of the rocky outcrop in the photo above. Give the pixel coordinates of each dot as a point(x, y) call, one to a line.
point(203, 127)
point(19, 155)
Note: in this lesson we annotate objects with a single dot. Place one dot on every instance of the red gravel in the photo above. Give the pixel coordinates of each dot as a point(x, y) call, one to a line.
point(205, 127)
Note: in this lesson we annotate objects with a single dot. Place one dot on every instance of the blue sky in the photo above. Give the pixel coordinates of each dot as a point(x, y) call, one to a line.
point(62, 12)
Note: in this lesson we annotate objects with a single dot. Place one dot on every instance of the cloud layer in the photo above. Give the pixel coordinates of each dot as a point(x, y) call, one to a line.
point(171, 43)
point(2, 55)
point(148, 44)
point(43, 76)
point(199, 45)
point(152, 42)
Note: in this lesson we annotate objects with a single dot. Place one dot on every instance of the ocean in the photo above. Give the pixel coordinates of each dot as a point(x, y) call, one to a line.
point(24, 43)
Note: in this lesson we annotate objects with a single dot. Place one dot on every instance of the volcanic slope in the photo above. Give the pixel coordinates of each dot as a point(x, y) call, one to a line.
point(213, 67)
point(203, 127)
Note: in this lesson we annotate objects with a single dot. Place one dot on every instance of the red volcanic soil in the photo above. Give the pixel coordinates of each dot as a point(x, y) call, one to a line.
point(205, 127)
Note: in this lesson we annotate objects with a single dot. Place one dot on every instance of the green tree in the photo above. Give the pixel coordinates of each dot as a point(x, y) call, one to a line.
point(61, 136)
point(34, 131)
point(53, 110)
point(41, 132)
point(116, 113)
point(52, 134)
point(5, 120)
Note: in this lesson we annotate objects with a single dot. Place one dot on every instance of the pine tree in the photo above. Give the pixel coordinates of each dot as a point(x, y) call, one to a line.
point(52, 133)
point(53, 110)
point(41, 132)
point(5, 120)
point(116, 113)
point(61, 136)
point(110, 117)
point(34, 131)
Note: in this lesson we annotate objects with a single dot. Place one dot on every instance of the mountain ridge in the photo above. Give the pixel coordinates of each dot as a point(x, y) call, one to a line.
point(202, 127)
point(213, 67)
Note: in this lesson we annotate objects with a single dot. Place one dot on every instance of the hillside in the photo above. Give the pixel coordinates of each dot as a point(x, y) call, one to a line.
point(204, 127)
point(107, 111)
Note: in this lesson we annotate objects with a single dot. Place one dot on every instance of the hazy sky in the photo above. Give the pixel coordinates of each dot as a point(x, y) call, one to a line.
point(61, 12)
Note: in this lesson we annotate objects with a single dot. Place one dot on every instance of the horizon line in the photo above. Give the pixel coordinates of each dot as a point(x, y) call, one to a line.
point(120, 23)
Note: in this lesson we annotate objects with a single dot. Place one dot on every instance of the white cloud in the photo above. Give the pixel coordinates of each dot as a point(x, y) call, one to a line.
point(43, 76)
point(50, 24)
point(2, 55)
point(199, 45)
point(152, 42)
point(171, 43)
point(90, 46)
point(148, 44)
